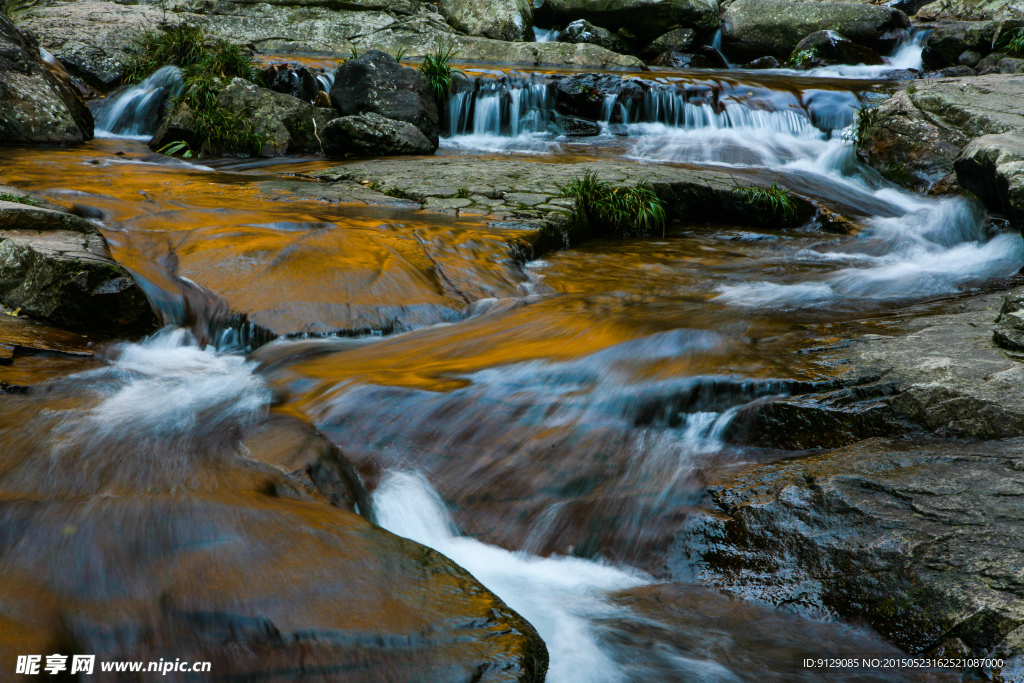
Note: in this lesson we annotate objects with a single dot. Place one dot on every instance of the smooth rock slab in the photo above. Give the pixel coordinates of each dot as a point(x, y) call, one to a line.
point(921, 540)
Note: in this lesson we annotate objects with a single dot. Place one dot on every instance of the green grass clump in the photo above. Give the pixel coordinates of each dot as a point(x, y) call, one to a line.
point(625, 211)
point(207, 63)
point(19, 199)
point(774, 199)
point(864, 121)
point(438, 72)
point(462, 193)
point(803, 58)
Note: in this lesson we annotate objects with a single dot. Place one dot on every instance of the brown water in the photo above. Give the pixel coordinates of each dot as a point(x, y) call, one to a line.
point(567, 408)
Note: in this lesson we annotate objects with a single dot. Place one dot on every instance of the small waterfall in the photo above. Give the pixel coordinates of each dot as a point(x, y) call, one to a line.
point(136, 110)
point(542, 35)
point(325, 81)
point(510, 106)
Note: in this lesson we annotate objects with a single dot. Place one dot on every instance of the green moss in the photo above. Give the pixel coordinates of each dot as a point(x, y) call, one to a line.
point(462, 193)
point(19, 199)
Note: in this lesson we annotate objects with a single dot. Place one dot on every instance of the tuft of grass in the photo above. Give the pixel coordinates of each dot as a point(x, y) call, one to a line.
point(438, 72)
point(207, 63)
point(462, 193)
point(397, 193)
point(625, 211)
point(176, 147)
point(864, 120)
point(19, 199)
point(1013, 43)
point(774, 199)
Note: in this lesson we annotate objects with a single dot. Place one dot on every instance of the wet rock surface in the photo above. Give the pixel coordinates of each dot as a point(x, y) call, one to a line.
point(915, 538)
point(36, 106)
point(373, 135)
point(57, 267)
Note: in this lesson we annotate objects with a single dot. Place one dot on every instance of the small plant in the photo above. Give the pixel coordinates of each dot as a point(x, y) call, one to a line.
point(1013, 44)
point(353, 52)
point(397, 193)
point(775, 199)
point(911, 89)
point(864, 120)
point(803, 58)
point(177, 147)
point(19, 199)
point(438, 72)
point(400, 55)
point(625, 211)
point(462, 193)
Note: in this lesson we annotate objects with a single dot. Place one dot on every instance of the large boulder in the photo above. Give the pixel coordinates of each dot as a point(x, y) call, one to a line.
point(753, 28)
point(949, 40)
point(287, 124)
point(498, 19)
point(972, 10)
point(992, 167)
point(57, 268)
point(37, 106)
point(829, 47)
point(375, 83)
point(582, 31)
point(645, 20)
point(297, 81)
point(373, 135)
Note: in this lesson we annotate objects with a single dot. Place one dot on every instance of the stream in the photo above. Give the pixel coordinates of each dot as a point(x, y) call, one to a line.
point(550, 427)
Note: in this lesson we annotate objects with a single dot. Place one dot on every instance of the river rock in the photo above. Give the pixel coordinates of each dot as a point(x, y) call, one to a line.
point(582, 31)
point(373, 135)
point(754, 28)
point(673, 41)
point(577, 127)
point(915, 539)
point(678, 60)
point(916, 135)
point(376, 83)
point(36, 106)
point(298, 82)
point(498, 19)
point(1009, 65)
point(832, 48)
point(646, 20)
point(989, 64)
point(948, 40)
point(992, 167)
point(57, 268)
point(288, 124)
point(584, 95)
point(972, 10)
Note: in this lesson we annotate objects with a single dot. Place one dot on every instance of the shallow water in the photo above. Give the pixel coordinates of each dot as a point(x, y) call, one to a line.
point(547, 425)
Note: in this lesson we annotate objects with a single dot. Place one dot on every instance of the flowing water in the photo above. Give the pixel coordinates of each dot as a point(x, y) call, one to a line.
point(547, 425)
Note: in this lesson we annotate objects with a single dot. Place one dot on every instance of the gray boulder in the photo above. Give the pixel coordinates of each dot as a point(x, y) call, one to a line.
point(644, 19)
point(582, 31)
point(498, 19)
point(373, 135)
point(37, 106)
point(57, 268)
point(288, 124)
point(673, 41)
point(376, 83)
point(972, 10)
point(1010, 65)
point(1009, 331)
point(754, 28)
point(992, 167)
point(829, 47)
point(949, 40)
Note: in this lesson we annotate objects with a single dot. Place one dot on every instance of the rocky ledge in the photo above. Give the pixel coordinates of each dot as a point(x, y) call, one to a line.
point(57, 267)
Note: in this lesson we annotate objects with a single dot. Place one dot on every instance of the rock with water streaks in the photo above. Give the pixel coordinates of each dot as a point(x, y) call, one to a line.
point(57, 267)
point(38, 105)
point(754, 28)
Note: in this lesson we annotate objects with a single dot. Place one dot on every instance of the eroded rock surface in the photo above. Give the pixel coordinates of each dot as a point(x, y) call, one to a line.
point(992, 167)
point(498, 19)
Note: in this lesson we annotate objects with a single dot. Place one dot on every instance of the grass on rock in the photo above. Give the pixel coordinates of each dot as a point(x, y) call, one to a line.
point(777, 200)
point(623, 211)
point(208, 63)
point(438, 72)
point(19, 199)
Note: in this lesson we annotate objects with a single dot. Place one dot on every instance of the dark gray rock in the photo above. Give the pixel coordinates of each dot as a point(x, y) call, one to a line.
point(989, 64)
point(678, 60)
point(917, 539)
point(373, 135)
point(958, 71)
point(582, 31)
point(584, 95)
point(376, 83)
point(57, 268)
point(1009, 331)
point(1009, 65)
point(830, 47)
point(298, 82)
point(37, 106)
point(754, 28)
point(577, 127)
point(969, 58)
point(950, 39)
point(644, 20)
point(992, 167)
point(673, 41)
point(763, 63)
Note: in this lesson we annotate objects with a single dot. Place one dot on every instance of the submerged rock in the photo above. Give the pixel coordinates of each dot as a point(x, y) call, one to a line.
point(754, 28)
point(57, 268)
point(373, 135)
point(498, 19)
point(376, 83)
point(644, 19)
point(36, 106)
point(918, 540)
